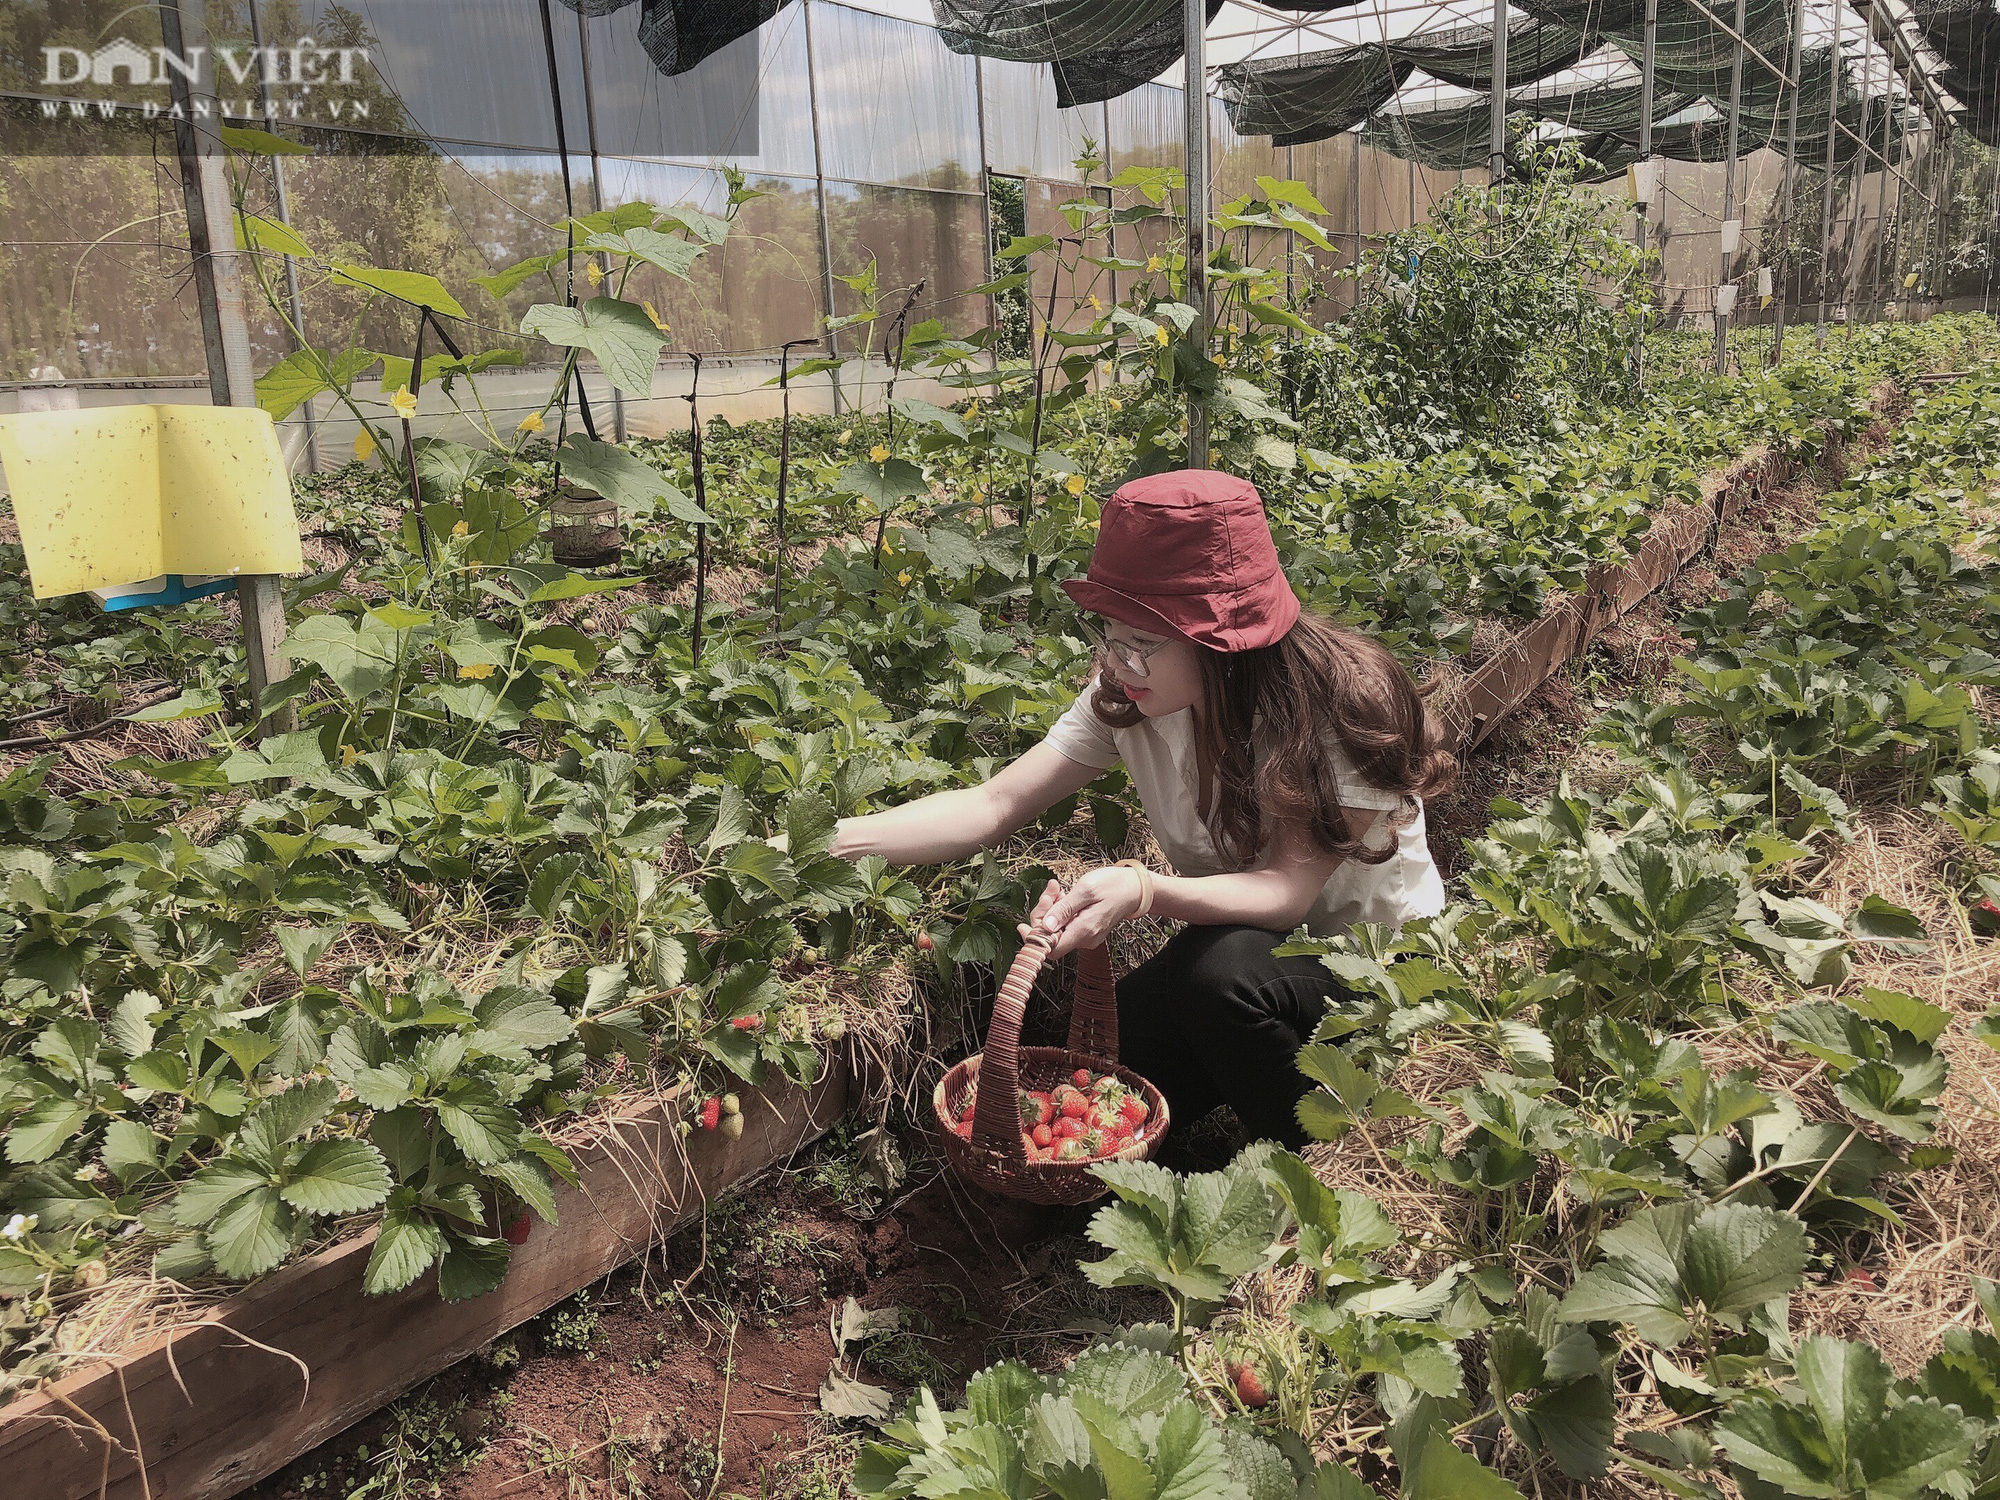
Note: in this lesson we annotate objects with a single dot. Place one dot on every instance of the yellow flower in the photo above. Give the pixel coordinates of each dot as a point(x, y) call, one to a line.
point(1096, 306)
point(654, 313)
point(479, 671)
point(904, 578)
point(595, 274)
point(532, 422)
point(1154, 263)
point(879, 454)
point(459, 528)
point(405, 403)
point(1116, 404)
point(1160, 337)
point(364, 445)
point(349, 755)
point(972, 407)
point(1074, 484)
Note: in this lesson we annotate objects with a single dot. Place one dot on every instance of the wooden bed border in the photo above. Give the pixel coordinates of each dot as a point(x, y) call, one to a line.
point(207, 1409)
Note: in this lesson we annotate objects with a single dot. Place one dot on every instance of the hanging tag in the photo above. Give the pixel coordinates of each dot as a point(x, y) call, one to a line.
point(1725, 300)
point(1732, 235)
point(1764, 281)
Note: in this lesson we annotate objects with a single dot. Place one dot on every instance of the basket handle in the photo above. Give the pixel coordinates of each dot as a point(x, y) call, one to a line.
point(1093, 1028)
point(996, 1121)
point(1093, 1015)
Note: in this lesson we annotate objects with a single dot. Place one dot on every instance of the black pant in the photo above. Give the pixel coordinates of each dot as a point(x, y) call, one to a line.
point(1213, 1018)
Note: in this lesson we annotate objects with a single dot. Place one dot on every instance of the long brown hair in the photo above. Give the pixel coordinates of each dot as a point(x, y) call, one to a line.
point(1321, 683)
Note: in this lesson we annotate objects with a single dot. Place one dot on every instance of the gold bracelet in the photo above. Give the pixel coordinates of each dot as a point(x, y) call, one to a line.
point(1145, 884)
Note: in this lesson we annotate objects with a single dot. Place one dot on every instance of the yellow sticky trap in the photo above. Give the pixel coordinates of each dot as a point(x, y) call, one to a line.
point(120, 494)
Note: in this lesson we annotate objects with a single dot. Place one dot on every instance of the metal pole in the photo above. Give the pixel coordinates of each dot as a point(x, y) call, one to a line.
point(1648, 71)
point(1882, 203)
point(1848, 267)
point(1195, 19)
point(597, 189)
point(307, 415)
point(1727, 254)
point(1894, 270)
point(1354, 206)
point(1789, 180)
point(1993, 244)
point(819, 189)
point(986, 201)
point(1496, 145)
point(225, 329)
point(1826, 187)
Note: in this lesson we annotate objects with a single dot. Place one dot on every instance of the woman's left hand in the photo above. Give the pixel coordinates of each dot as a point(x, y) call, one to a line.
point(1098, 902)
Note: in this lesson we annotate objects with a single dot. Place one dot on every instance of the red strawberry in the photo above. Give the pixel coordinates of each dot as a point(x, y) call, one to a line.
point(1073, 1149)
point(516, 1232)
point(747, 1023)
point(1132, 1110)
point(963, 1129)
point(711, 1112)
point(1073, 1108)
point(1042, 1136)
point(925, 941)
point(1986, 918)
point(1067, 1129)
point(1249, 1385)
point(1045, 1108)
point(1081, 1078)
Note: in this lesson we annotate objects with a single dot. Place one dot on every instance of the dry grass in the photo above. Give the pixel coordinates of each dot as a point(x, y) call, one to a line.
point(1951, 1215)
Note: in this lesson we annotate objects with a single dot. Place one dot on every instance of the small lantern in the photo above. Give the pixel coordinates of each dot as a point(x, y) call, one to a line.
point(583, 527)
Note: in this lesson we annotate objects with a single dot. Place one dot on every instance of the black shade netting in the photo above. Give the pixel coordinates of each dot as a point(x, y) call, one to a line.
point(1463, 55)
point(1966, 35)
point(1296, 100)
point(677, 34)
point(1098, 49)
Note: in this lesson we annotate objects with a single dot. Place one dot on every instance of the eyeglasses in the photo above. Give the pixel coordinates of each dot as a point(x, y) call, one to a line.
point(1133, 658)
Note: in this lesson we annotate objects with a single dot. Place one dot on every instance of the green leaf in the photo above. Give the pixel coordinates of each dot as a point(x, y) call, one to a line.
point(1882, 921)
point(1851, 1437)
point(485, 1129)
point(261, 142)
point(516, 1021)
point(360, 655)
point(618, 333)
point(130, 1150)
point(413, 287)
point(255, 232)
point(44, 1129)
point(251, 1234)
point(287, 1116)
point(471, 1267)
point(669, 252)
point(293, 380)
point(195, 703)
point(624, 479)
point(1443, 1472)
point(405, 1248)
point(882, 484)
point(337, 1177)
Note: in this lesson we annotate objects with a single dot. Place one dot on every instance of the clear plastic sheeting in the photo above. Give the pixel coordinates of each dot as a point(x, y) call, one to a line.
point(1026, 135)
point(1296, 100)
point(760, 287)
point(678, 34)
point(911, 236)
point(749, 106)
point(895, 106)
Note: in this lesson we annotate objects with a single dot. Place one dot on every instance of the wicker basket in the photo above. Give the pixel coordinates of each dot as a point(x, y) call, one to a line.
point(994, 1157)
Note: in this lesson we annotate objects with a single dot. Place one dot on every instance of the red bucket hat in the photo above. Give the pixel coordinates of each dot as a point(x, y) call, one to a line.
point(1189, 553)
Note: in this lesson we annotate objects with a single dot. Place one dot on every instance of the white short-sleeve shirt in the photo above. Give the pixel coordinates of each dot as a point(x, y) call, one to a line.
point(1159, 755)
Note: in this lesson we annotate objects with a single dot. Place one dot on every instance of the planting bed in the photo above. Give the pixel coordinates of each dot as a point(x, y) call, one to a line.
point(217, 1404)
